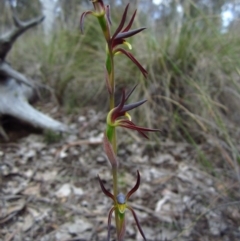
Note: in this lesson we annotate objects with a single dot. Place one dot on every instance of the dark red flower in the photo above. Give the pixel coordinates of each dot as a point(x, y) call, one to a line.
point(114, 116)
point(100, 10)
point(120, 204)
point(120, 35)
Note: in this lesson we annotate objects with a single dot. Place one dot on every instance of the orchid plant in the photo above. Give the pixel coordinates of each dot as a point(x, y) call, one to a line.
point(117, 116)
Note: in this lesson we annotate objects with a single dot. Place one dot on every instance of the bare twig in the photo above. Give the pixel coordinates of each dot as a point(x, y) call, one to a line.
point(7, 40)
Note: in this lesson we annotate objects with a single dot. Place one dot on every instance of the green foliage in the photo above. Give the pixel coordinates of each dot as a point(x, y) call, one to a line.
point(189, 69)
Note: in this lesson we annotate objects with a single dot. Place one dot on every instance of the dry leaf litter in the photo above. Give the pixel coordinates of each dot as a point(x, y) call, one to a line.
point(50, 191)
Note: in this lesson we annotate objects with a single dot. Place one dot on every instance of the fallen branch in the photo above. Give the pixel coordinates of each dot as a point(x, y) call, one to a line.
point(16, 91)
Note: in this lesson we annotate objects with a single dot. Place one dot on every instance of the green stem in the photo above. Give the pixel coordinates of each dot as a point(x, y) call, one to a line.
point(114, 138)
point(112, 99)
point(110, 70)
point(115, 192)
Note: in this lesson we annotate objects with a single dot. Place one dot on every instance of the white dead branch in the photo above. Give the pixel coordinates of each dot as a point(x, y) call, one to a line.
point(16, 90)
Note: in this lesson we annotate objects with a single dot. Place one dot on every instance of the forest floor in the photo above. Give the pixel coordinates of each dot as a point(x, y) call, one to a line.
point(50, 191)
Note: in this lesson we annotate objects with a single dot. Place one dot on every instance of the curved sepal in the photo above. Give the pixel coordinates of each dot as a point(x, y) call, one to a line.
point(135, 188)
point(131, 57)
point(82, 19)
point(109, 222)
point(130, 125)
point(137, 222)
point(108, 14)
point(104, 190)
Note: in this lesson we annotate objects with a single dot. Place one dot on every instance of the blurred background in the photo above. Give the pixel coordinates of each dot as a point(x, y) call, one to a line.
point(190, 48)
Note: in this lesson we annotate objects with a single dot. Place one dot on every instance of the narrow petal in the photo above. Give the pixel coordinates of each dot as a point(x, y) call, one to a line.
point(82, 19)
point(117, 109)
point(132, 106)
point(130, 56)
point(108, 14)
point(130, 92)
point(120, 26)
point(137, 222)
point(109, 222)
point(105, 191)
point(135, 188)
point(133, 127)
point(130, 125)
point(128, 34)
point(130, 22)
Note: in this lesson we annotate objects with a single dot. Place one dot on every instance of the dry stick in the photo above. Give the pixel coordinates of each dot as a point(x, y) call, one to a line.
point(11, 236)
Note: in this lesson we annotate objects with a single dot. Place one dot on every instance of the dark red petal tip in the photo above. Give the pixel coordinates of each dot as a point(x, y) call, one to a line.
point(130, 92)
point(132, 106)
point(130, 125)
point(82, 19)
point(119, 107)
point(130, 56)
point(104, 190)
point(120, 26)
point(137, 222)
point(109, 222)
point(128, 34)
point(130, 22)
point(108, 14)
point(135, 188)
